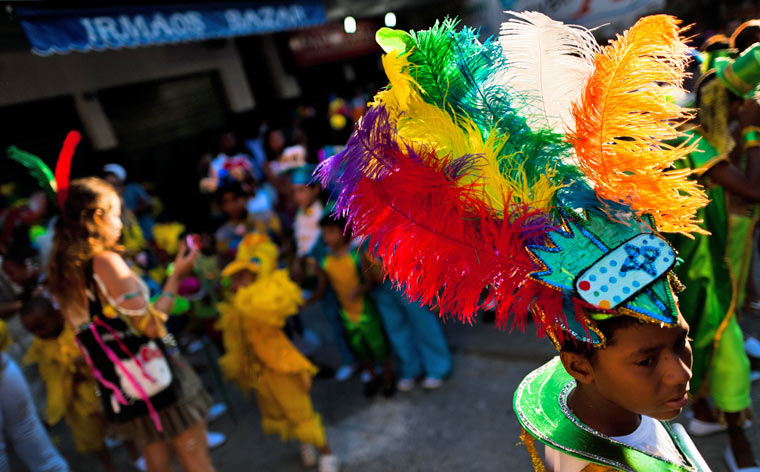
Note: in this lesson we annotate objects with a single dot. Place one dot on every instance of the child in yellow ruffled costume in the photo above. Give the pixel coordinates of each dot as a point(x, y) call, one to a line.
point(71, 387)
point(260, 357)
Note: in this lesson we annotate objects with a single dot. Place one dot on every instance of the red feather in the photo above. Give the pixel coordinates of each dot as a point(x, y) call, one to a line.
point(443, 244)
point(63, 165)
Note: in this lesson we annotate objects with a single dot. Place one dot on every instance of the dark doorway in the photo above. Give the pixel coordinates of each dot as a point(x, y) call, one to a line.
point(163, 129)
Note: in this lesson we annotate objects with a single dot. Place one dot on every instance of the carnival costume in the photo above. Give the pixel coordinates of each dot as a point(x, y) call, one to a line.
point(361, 322)
point(715, 268)
point(258, 355)
point(533, 170)
point(147, 393)
point(72, 391)
point(717, 45)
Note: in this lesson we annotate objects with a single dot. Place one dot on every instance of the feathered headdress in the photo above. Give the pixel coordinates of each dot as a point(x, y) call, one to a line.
point(533, 169)
point(56, 186)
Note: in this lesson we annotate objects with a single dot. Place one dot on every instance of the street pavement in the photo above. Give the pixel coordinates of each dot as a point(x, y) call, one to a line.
point(466, 425)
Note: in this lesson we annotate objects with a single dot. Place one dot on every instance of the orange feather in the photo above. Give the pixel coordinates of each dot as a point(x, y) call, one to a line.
point(624, 120)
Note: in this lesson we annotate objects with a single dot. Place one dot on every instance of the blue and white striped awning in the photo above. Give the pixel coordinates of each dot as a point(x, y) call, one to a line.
point(59, 31)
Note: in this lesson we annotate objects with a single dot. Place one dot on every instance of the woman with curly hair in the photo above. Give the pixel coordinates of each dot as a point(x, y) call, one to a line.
point(149, 394)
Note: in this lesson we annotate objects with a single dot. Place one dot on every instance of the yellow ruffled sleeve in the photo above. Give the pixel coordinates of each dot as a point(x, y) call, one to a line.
point(263, 308)
point(86, 401)
point(56, 362)
point(251, 328)
point(238, 363)
point(276, 351)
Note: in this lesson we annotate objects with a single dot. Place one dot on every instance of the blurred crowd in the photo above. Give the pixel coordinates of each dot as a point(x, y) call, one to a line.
point(261, 189)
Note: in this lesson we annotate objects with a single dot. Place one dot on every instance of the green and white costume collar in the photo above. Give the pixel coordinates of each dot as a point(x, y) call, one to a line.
point(540, 403)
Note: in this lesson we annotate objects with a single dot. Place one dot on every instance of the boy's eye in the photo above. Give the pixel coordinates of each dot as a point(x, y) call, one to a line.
point(648, 362)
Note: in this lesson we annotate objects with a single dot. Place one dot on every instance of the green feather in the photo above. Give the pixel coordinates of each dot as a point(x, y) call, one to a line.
point(37, 168)
point(454, 71)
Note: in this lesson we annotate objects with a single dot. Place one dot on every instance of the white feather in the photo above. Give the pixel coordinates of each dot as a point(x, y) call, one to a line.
point(549, 63)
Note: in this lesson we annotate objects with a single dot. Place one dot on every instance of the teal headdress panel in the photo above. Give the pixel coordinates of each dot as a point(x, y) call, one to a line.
point(611, 263)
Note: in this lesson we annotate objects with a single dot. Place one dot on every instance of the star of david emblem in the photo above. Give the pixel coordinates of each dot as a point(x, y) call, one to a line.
point(640, 258)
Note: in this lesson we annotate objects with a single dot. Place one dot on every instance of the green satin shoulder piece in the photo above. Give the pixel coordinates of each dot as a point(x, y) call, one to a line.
point(705, 154)
point(540, 403)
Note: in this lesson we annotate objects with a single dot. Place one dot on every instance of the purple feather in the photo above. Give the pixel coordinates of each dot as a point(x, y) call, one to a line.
point(372, 152)
point(369, 153)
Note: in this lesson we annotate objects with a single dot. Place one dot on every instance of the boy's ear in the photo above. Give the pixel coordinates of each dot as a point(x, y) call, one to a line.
point(97, 215)
point(578, 366)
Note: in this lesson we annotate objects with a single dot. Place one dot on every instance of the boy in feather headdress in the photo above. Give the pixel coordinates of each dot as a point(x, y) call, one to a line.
point(535, 168)
point(260, 357)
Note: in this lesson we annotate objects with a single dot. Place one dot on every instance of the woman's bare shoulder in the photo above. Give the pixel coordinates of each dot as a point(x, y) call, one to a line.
point(109, 264)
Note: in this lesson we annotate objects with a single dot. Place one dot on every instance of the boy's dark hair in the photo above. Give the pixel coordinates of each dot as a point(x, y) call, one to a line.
point(608, 328)
point(745, 35)
point(233, 187)
point(328, 220)
point(36, 303)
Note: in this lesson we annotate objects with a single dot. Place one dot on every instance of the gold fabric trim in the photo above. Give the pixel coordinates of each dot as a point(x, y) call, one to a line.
point(737, 82)
point(745, 415)
point(527, 440)
point(735, 279)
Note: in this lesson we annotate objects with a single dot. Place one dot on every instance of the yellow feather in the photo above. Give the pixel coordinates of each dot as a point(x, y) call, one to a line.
point(423, 124)
point(396, 95)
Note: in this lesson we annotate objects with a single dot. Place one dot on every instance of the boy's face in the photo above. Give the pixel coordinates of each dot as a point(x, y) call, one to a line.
point(644, 369)
point(228, 143)
point(304, 195)
point(43, 324)
point(276, 140)
point(233, 205)
point(333, 237)
point(242, 278)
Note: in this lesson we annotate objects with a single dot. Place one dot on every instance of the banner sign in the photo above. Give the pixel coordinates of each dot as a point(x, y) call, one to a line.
point(608, 17)
point(329, 43)
point(86, 29)
point(611, 16)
